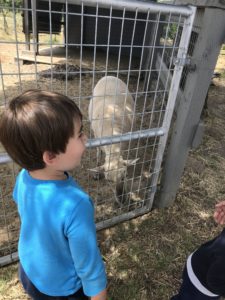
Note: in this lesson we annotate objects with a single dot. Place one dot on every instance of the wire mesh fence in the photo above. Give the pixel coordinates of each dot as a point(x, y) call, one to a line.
point(67, 47)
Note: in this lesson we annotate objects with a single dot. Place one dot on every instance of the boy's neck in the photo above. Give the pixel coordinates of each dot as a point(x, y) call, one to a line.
point(46, 174)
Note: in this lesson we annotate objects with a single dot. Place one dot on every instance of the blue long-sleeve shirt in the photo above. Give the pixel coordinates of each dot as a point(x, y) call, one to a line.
point(57, 245)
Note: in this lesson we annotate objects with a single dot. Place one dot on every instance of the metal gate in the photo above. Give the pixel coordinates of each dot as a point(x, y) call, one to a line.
point(144, 44)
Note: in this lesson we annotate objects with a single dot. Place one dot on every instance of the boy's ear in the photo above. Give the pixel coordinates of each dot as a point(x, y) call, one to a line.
point(49, 157)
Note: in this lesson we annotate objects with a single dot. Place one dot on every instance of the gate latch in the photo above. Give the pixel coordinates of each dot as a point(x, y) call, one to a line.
point(184, 61)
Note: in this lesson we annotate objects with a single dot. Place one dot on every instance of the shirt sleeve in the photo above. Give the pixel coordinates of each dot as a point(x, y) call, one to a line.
point(216, 277)
point(81, 234)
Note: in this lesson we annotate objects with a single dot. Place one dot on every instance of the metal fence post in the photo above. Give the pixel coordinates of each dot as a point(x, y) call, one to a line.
point(211, 25)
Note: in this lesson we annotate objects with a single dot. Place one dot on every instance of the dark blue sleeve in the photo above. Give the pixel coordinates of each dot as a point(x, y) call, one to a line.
point(216, 277)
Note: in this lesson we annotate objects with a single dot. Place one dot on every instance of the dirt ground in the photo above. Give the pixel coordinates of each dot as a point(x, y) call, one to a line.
point(145, 256)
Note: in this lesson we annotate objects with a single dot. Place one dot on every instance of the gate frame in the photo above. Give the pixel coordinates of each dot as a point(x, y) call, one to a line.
point(188, 128)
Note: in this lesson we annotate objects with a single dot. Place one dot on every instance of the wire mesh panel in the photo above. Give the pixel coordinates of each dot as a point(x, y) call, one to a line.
point(67, 47)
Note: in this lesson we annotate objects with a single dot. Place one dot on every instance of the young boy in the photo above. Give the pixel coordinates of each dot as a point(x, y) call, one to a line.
point(59, 256)
point(204, 273)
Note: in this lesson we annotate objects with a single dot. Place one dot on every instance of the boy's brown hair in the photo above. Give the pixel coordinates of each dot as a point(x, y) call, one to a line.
point(37, 121)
